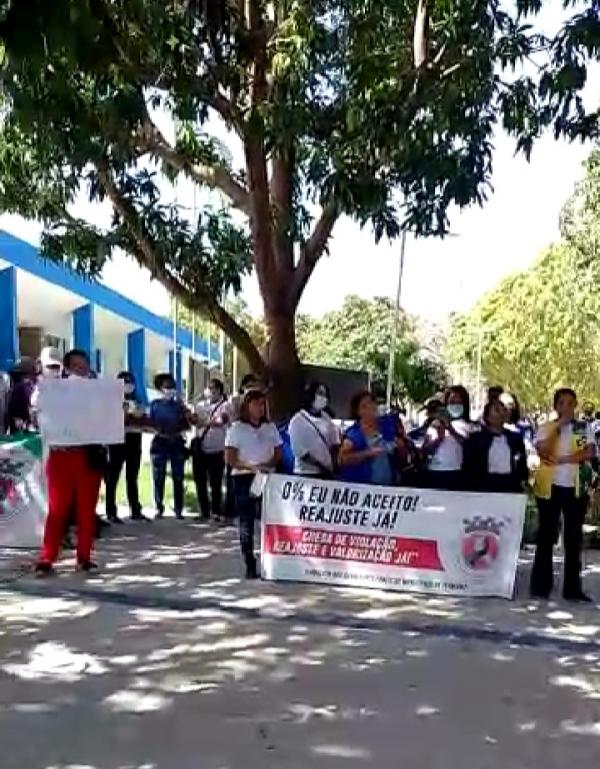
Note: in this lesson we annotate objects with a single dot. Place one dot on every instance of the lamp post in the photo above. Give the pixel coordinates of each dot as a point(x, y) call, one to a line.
point(394, 334)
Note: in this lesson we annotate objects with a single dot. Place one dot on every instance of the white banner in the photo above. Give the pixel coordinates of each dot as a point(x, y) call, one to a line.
point(22, 493)
point(391, 538)
point(81, 412)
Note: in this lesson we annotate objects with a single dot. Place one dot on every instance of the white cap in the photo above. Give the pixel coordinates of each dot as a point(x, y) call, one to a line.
point(50, 356)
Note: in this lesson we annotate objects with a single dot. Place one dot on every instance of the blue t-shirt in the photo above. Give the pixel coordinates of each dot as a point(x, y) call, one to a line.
point(168, 417)
point(381, 470)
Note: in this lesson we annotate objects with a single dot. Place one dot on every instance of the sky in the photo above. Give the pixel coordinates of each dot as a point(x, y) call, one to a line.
point(441, 276)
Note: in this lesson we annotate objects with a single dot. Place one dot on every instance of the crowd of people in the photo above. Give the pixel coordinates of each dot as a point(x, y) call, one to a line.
point(235, 446)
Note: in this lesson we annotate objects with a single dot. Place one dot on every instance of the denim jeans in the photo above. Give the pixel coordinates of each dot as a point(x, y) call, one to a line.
point(162, 452)
point(248, 509)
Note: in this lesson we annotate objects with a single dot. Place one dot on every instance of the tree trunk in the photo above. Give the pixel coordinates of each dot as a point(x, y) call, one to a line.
point(283, 365)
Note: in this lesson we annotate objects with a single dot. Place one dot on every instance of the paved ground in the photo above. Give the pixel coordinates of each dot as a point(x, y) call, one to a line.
point(168, 660)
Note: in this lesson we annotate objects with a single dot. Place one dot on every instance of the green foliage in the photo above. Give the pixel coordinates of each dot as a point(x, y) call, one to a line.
point(383, 110)
point(358, 337)
point(540, 329)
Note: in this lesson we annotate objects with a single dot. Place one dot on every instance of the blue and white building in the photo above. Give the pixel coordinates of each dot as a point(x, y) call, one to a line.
point(42, 303)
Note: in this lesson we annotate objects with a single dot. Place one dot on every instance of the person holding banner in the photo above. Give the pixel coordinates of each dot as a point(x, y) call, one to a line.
point(74, 475)
point(252, 448)
point(313, 436)
point(566, 447)
point(495, 456)
point(168, 416)
point(367, 453)
point(445, 439)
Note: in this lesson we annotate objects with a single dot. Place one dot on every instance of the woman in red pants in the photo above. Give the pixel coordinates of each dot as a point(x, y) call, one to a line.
point(74, 475)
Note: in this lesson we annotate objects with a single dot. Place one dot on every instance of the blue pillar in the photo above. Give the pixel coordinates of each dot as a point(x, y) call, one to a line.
point(9, 329)
point(83, 330)
point(176, 368)
point(136, 362)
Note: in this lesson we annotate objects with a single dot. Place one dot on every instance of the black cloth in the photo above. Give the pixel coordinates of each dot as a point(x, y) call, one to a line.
point(475, 464)
point(444, 480)
point(130, 455)
point(208, 469)
point(18, 407)
point(562, 502)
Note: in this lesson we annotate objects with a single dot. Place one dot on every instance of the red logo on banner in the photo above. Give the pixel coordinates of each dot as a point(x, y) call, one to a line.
point(349, 546)
point(481, 543)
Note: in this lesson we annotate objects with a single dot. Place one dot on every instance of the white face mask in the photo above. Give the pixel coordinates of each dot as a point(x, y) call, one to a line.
point(51, 373)
point(455, 410)
point(129, 389)
point(320, 402)
point(169, 394)
point(77, 376)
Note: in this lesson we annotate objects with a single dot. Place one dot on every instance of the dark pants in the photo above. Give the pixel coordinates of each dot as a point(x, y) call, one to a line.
point(563, 501)
point(162, 452)
point(208, 469)
point(130, 455)
point(445, 480)
point(248, 509)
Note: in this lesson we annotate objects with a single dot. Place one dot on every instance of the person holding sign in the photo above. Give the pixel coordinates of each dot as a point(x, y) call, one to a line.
point(252, 447)
point(168, 416)
point(566, 447)
point(314, 438)
point(368, 450)
point(74, 475)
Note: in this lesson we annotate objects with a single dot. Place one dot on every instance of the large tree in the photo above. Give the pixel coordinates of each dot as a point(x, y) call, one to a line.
point(383, 110)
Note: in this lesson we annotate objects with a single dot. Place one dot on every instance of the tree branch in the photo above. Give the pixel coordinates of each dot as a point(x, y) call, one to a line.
point(215, 175)
point(201, 301)
point(313, 250)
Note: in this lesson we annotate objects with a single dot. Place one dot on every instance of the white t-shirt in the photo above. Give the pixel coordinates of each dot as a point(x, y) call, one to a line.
point(564, 475)
point(305, 439)
point(499, 456)
point(449, 454)
point(214, 438)
point(255, 445)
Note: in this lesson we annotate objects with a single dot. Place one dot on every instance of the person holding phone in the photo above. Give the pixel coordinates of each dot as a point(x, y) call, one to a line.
point(367, 453)
point(566, 447)
point(444, 441)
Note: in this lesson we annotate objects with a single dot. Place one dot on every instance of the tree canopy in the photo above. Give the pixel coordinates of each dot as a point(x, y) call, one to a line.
point(295, 111)
point(540, 327)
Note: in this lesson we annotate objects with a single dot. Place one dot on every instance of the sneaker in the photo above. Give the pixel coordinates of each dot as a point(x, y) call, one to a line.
point(179, 516)
point(44, 569)
point(159, 513)
point(140, 517)
point(115, 519)
point(87, 566)
point(578, 597)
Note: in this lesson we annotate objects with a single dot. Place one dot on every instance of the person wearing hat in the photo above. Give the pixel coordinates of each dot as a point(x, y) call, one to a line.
point(18, 405)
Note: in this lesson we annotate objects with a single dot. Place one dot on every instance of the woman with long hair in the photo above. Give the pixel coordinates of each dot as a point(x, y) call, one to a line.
point(313, 436)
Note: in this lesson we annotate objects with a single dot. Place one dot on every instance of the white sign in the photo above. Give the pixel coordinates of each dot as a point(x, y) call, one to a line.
point(81, 412)
point(391, 538)
point(22, 493)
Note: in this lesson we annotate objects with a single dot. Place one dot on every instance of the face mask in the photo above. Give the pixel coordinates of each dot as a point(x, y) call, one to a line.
point(320, 402)
point(129, 389)
point(51, 373)
point(77, 376)
point(382, 409)
point(169, 394)
point(455, 410)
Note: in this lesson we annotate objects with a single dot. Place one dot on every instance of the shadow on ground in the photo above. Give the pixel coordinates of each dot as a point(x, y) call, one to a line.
point(168, 660)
